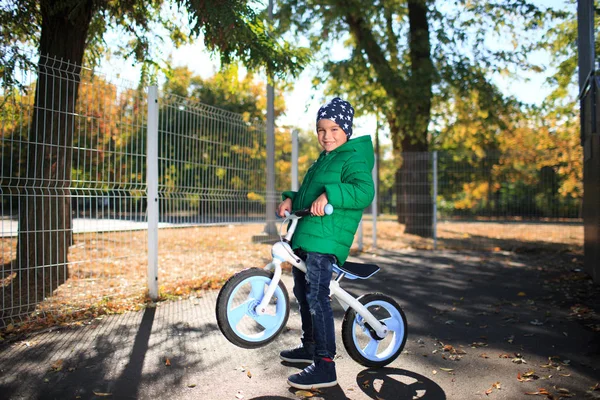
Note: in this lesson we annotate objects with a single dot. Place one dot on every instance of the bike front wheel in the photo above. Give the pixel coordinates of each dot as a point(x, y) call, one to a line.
point(236, 309)
point(361, 341)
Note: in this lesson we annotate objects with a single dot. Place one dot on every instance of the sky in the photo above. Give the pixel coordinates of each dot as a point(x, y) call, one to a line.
point(303, 102)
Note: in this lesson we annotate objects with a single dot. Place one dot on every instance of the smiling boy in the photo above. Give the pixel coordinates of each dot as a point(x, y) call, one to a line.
point(341, 176)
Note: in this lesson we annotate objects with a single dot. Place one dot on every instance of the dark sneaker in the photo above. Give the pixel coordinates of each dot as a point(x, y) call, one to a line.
point(300, 354)
point(319, 374)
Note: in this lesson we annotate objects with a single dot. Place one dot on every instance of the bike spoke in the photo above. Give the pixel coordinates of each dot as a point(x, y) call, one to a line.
point(266, 321)
point(371, 348)
point(393, 324)
point(258, 289)
point(236, 314)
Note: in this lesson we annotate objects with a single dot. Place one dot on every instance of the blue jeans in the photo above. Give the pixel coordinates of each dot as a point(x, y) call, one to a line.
point(312, 291)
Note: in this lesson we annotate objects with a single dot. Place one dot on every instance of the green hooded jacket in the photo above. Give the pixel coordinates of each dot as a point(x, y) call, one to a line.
point(345, 174)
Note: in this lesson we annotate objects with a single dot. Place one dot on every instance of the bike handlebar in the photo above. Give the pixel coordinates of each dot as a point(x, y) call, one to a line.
point(306, 212)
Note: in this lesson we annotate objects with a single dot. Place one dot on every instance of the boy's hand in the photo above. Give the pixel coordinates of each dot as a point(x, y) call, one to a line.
point(285, 205)
point(318, 206)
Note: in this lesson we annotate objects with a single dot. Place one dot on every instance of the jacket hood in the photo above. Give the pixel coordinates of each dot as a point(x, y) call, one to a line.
point(362, 145)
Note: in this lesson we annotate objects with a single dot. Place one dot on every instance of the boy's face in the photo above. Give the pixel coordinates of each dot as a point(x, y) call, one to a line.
point(330, 135)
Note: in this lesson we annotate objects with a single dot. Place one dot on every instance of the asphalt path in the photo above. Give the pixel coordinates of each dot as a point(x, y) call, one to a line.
point(481, 326)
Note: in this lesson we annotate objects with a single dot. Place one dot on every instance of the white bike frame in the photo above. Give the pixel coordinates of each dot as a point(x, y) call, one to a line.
point(282, 251)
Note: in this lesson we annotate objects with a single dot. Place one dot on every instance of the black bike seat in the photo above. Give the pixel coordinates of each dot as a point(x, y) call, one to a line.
point(359, 270)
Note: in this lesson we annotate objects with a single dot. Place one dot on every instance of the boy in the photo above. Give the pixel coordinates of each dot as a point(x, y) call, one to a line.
point(341, 176)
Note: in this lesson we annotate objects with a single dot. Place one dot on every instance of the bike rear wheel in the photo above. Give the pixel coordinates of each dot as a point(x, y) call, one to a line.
point(361, 342)
point(236, 309)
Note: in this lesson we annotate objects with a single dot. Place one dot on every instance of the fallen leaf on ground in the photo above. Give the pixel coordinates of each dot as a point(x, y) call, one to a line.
point(168, 362)
point(495, 385)
point(304, 393)
point(102, 394)
point(540, 392)
point(249, 374)
point(527, 376)
point(564, 392)
point(57, 365)
point(518, 359)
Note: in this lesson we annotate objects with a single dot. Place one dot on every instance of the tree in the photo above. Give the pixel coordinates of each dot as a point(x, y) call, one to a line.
point(65, 32)
point(406, 55)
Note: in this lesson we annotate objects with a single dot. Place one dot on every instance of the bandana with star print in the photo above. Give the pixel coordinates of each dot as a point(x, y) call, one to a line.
point(340, 112)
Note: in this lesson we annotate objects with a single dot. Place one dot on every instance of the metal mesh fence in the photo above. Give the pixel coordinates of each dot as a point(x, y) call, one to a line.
point(502, 200)
point(72, 195)
point(74, 224)
point(74, 220)
point(212, 182)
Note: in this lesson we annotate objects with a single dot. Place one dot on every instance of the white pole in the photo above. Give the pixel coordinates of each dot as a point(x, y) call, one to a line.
point(374, 206)
point(435, 187)
point(152, 191)
point(360, 235)
point(295, 160)
point(270, 197)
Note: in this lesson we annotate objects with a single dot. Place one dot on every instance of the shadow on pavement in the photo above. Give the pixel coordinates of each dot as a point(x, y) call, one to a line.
point(384, 383)
point(128, 382)
point(394, 383)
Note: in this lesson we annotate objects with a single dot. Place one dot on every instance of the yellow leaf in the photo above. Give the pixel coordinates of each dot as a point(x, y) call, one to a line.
point(447, 369)
point(521, 294)
point(101, 394)
point(249, 374)
point(304, 393)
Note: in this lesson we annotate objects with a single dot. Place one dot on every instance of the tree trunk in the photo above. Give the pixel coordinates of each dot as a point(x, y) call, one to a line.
point(45, 224)
point(412, 178)
point(414, 193)
point(411, 98)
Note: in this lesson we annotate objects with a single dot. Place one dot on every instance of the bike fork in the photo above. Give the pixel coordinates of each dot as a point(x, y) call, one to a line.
point(274, 265)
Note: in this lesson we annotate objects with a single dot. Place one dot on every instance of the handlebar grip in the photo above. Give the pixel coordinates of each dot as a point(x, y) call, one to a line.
point(306, 212)
point(302, 213)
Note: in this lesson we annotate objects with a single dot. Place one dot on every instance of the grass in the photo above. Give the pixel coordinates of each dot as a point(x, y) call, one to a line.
point(108, 271)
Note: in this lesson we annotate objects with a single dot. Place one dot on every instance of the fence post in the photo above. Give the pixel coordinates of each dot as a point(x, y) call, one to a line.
point(295, 160)
point(360, 235)
point(435, 187)
point(152, 191)
point(374, 205)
